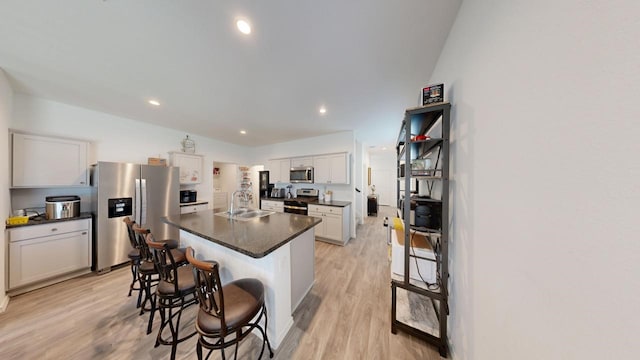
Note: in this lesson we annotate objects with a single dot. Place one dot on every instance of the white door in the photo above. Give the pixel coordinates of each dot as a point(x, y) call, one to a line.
point(383, 179)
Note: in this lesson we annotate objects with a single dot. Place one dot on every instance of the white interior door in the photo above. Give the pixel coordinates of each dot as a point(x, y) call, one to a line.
point(383, 180)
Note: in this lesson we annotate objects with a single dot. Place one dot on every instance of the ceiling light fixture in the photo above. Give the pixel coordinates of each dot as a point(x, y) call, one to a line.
point(323, 110)
point(243, 132)
point(244, 26)
point(154, 102)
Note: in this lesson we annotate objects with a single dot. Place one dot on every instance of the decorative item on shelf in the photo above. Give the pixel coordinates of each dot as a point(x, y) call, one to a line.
point(188, 145)
point(216, 171)
point(420, 137)
point(156, 161)
point(432, 94)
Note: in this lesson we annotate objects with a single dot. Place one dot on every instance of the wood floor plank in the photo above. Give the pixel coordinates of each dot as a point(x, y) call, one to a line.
point(346, 315)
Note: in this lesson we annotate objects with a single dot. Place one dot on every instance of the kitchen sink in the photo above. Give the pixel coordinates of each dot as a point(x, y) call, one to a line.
point(245, 214)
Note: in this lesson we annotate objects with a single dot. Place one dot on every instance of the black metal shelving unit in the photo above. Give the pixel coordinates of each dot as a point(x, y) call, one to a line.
point(418, 122)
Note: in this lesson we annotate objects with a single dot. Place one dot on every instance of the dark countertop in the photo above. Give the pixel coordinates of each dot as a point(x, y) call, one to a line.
point(39, 220)
point(193, 203)
point(255, 237)
point(335, 203)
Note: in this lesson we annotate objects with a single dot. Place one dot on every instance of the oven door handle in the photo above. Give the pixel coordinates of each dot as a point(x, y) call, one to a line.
point(295, 207)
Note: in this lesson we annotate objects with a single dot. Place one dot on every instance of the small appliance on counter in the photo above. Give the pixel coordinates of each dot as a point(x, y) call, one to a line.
point(188, 196)
point(62, 207)
point(277, 193)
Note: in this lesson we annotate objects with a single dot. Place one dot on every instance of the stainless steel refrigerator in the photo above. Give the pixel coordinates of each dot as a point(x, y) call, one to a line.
point(143, 192)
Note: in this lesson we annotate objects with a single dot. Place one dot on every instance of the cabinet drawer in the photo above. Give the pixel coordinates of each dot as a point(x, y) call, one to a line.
point(325, 209)
point(36, 231)
point(193, 208)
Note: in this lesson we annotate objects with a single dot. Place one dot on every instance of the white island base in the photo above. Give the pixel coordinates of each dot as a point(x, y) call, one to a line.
point(287, 274)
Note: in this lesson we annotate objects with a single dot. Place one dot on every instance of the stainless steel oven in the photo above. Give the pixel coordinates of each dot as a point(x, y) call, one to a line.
point(301, 175)
point(295, 207)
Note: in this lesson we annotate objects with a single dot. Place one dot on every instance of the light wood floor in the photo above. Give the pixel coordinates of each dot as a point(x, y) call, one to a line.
point(345, 316)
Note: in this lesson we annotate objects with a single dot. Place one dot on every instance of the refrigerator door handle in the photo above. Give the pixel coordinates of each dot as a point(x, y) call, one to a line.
point(136, 202)
point(143, 201)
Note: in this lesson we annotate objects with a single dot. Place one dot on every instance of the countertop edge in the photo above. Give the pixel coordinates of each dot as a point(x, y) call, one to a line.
point(82, 216)
point(235, 248)
point(334, 203)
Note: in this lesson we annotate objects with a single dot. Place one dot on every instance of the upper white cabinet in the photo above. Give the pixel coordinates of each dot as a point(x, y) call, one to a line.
point(41, 161)
point(302, 162)
point(279, 170)
point(331, 169)
point(190, 167)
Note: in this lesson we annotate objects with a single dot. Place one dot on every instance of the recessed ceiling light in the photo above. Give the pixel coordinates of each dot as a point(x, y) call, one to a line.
point(323, 110)
point(384, 148)
point(244, 26)
point(154, 102)
point(243, 132)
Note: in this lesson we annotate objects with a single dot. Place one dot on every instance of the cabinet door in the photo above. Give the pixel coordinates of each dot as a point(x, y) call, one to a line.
point(190, 167)
point(279, 170)
point(320, 228)
point(46, 257)
point(39, 161)
point(302, 162)
point(333, 227)
point(321, 169)
point(274, 171)
point(339, 169)
point(285, 166)
point(267, 205)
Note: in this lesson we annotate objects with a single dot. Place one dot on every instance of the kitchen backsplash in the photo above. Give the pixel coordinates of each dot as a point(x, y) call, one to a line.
point(35, 198)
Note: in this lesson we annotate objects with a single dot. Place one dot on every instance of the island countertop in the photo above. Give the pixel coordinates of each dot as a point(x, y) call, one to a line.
point(254, 237)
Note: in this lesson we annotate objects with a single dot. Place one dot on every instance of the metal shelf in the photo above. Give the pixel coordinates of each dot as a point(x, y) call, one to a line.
point(424, 120)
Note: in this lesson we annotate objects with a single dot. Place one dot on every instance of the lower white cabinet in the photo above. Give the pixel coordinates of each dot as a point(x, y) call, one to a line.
point(42, 252)
point(277, 206)
point(335, 223)
point(188, 209)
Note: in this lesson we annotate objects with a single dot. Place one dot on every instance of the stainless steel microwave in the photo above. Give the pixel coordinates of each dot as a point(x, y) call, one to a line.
point(301, 175)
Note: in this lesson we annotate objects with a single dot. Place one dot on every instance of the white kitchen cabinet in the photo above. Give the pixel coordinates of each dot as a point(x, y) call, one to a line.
point(302, 162)
point(277, 206)
point(41, 161)
point(279, 170)
point(334, 227)
point(191, 208)
point(190, 167)
point(331, 169)
point(43, 252)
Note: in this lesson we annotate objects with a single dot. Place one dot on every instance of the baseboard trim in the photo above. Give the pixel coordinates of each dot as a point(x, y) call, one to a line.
point(4, 303)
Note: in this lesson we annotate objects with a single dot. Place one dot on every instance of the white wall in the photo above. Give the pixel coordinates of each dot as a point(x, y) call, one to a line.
point(119, 139)
point(545, 256)
point(384, 176)
point(6, 105)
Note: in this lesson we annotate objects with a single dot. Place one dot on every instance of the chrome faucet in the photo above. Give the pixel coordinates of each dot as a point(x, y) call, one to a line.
point(233, 198)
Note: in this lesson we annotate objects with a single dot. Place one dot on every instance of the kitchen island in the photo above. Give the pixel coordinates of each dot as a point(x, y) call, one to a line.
point(277, 249)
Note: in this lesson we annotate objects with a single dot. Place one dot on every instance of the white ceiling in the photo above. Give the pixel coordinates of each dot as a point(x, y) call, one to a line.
point(364, 60)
